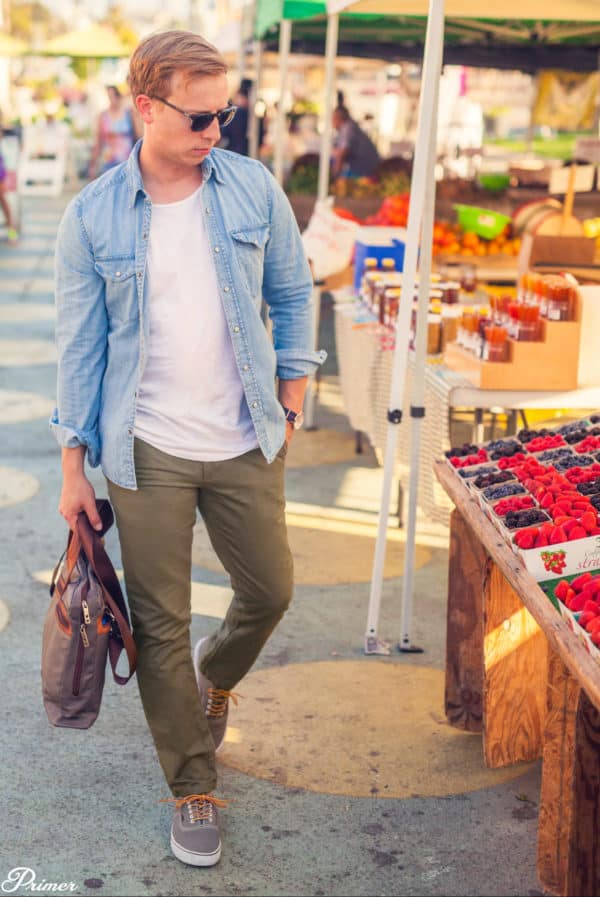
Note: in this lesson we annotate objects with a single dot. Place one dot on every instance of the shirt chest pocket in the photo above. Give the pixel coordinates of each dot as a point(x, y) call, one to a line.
point(120, 288)
point(249, 245)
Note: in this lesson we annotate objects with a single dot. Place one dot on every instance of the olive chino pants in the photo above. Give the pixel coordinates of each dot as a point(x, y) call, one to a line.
point(243, 507)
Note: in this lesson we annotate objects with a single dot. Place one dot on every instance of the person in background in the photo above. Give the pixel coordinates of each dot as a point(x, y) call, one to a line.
point(115, 135)
point(11, 231)
point(354, 153)
point(235, 135)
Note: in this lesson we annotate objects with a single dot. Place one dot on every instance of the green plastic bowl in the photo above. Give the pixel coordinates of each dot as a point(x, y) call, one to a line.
point(494, 182)
point(483, 222)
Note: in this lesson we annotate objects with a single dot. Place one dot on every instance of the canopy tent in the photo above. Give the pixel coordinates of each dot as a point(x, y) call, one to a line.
point(527, 45)
point(95, 42)
point(272, 12)
point(419, 243)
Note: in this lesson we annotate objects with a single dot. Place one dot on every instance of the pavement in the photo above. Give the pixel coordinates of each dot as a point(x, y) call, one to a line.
point(343, 776)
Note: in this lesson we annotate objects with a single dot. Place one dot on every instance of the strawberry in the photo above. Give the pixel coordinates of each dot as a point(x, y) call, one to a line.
point(588, 521)
point(577, 532)
point(561, 589)
point(541, 540)
point(580, 581)
point(558, 535)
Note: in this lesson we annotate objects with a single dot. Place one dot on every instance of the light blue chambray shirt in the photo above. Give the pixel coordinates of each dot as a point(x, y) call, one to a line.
point(102, 327)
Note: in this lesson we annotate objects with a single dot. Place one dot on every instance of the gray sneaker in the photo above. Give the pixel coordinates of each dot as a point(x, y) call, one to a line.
point(215, 701)
point(195, 837)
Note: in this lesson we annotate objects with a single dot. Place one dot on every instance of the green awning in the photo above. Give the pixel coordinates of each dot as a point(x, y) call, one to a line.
point(271, 12)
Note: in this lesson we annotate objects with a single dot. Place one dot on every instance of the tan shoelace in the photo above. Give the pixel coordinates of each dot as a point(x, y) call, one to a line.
point(199, 805)
point(217, 702)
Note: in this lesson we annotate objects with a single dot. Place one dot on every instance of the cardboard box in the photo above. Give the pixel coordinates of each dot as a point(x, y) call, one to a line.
point(579, 555)
point(549, 364)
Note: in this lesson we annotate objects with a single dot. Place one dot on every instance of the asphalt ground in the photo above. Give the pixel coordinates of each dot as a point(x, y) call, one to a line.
point(343, 776)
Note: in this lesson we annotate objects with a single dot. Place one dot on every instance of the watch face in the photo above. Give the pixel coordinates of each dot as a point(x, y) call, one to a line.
point(299, 420)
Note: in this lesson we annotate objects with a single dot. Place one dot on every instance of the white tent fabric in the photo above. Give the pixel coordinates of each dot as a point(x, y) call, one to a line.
point(545, 10)
point(420, 224)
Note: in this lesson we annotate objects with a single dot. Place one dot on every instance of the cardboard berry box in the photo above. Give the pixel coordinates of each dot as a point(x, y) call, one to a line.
point(563, 559)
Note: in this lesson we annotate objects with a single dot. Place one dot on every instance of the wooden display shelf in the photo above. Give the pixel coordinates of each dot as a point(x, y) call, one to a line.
point(552, 363)
point(517, 673)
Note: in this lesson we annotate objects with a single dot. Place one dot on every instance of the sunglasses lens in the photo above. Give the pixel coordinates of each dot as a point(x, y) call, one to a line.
point(225, 116)
point(201, 122)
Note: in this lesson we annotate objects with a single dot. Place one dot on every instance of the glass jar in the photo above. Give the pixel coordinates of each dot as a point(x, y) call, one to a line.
point(496, 339)
point(528, 322)
point(560, 300)
point(391, 303)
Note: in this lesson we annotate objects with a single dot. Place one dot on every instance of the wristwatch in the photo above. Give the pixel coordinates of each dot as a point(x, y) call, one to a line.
point(296, 418)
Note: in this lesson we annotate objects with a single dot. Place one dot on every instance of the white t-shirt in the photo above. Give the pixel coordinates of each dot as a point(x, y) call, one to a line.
point(191, 402)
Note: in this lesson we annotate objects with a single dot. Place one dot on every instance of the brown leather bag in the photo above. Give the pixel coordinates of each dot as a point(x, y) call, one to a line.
point(87, 620)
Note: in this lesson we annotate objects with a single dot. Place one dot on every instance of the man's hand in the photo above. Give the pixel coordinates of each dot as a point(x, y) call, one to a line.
point(77, 491)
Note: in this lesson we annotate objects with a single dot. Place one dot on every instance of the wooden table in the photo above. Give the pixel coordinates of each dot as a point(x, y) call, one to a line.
point(517, 673)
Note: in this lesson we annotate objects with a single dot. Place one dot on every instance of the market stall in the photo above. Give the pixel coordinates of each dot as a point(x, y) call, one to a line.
point(523, 655)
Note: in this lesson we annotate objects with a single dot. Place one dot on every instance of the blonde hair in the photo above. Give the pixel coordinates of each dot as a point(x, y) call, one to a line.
point(158, 56)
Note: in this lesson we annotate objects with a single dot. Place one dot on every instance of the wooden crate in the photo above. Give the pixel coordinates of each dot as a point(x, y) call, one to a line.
point(551, 363)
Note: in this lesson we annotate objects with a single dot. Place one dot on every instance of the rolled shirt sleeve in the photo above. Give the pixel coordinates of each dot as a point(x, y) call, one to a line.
point(81, 337)
point(288, 291)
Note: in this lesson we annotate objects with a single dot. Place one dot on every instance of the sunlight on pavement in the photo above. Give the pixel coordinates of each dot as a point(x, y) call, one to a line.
point(16, 486)
point(17, 406)
point(362, 728)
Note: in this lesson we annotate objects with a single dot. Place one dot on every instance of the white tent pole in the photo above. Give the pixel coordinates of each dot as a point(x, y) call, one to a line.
point(331, 43)
point(253, 121)
point(431, 67)
point(417, 406)
point(285, 41)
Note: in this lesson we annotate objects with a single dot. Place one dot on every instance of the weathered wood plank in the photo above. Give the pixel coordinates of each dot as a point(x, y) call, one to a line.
point(464, 634)
point(581, 664)
point(583, 873)
point(556, 800)
point(515, 662)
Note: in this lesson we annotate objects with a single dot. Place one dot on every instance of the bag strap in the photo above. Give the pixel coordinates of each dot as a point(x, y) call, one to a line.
point(91, 545)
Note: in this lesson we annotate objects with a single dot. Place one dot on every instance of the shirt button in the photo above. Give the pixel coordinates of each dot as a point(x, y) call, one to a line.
point(144, 236)
point(217, 249)
point(117, 273)
point(130, 431)
point(139, 274)
point(225, 289)
point(255, 404)
point(246, 367)
point(236, 329)
point(208, 210)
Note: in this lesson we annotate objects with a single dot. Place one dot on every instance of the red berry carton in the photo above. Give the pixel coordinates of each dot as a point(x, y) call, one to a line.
point(552, 550)
point(577, 599)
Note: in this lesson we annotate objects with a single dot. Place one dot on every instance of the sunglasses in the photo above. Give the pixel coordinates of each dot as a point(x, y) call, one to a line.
point(202, 120)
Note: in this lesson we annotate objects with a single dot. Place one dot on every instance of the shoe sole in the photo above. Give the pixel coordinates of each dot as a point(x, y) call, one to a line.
point(191, 858)
point(197, 656)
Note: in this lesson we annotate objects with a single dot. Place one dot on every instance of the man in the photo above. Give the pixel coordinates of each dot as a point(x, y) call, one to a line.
point(354, 153)
point(166, 378)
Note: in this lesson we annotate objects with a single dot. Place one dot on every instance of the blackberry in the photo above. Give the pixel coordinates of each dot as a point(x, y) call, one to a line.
point(526, 435)
point(459, 451)
point(528, 517)
point(491, 479)
point(595, 500)
point(595, 418)
point(571, 428)
point(573, 461)
point(494, 492)
point(553, 455)
point(468, 472)
point(575, 436)
point(590, 488)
